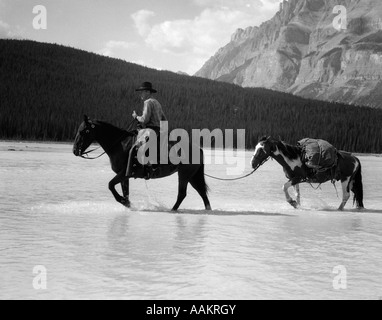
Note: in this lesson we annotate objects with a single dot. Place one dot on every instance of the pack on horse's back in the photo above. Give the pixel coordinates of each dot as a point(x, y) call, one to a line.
point(320, 157)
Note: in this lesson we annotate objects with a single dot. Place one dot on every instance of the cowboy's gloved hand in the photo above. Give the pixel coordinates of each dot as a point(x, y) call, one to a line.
point(135, 115)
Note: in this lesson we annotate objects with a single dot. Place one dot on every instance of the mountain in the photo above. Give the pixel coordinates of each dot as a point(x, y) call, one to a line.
point(45, 89)
point(303, 51)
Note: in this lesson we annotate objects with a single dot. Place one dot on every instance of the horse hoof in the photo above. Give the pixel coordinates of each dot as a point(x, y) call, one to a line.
point(294, 204)
point(126, 203)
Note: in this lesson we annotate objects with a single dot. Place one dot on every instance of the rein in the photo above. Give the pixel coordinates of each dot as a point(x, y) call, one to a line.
point(85, 155)
point(235, 179)
point(240, 178)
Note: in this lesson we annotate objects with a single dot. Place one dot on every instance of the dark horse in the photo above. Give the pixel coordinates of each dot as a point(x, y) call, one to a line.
point(348, 170)
point(117, 143)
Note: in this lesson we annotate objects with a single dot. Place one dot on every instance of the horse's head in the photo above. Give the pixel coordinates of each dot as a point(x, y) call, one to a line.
point(85, 137)
point(264, 150)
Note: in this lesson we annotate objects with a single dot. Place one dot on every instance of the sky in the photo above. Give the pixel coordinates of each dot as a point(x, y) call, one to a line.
point(174, 35)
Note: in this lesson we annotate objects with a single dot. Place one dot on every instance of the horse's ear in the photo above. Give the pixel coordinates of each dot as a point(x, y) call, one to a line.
point(273, 143)
point(263, 139)
point(86, 118)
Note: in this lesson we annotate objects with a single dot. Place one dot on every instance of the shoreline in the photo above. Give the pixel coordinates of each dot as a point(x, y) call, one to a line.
point(35, 141)
point(67, 143)
point(33, 146)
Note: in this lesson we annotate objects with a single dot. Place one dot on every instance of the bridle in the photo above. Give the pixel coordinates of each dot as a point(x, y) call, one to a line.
point(263, 161)
point(85, 155)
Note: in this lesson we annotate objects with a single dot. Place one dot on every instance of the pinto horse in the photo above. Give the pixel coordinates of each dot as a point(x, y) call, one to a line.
point(348, 170)
point(117, 144)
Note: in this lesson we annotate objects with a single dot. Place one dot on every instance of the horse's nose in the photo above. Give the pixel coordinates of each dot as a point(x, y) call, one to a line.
point(76, 152)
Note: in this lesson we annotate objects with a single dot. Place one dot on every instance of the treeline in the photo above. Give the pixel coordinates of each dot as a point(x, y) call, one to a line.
point(45, 90)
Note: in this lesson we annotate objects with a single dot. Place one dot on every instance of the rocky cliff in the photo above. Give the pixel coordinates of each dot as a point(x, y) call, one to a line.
point(308, 50)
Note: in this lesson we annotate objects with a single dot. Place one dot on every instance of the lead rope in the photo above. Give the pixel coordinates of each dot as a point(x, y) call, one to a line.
point(235, 179)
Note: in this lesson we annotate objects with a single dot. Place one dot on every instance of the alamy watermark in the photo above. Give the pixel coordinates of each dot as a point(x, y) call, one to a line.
point(186, 149)
point(359, 25)
point(340, 281)
point(40, 21)
point(40, 279)
point(340, 21)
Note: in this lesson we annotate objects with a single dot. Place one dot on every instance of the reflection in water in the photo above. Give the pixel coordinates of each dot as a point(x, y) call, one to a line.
point(117, 234)
point(190, 235)
point(357, 225)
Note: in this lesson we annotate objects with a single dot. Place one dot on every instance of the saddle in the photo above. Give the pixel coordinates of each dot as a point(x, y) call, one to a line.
point(321, 159)
point(149, 171)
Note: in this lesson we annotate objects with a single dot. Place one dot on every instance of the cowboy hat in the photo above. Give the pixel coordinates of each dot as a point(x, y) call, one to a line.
point(147, 86)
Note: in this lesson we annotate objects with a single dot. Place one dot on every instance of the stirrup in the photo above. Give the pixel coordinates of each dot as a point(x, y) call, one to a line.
point(147, 174)
point(130, 163)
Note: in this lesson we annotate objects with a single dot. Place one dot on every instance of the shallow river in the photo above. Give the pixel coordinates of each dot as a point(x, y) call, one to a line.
point(62, 236)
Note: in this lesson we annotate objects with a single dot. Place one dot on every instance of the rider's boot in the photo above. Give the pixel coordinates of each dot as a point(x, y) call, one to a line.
point(132, 155)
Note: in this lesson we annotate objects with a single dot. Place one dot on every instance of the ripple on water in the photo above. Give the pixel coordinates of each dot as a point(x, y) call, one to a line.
point(253, 245)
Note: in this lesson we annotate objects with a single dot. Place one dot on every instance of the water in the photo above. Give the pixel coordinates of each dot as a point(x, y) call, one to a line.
point(56, 212)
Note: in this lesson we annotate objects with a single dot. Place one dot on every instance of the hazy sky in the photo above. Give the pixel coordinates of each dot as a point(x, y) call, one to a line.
point(175, 35)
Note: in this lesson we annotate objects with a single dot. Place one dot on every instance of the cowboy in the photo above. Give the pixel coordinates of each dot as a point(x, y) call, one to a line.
point(152, 116)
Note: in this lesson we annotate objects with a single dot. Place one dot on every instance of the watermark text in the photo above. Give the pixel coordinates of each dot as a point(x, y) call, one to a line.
point(340, 280)
point(40, 280)
point(40, 21)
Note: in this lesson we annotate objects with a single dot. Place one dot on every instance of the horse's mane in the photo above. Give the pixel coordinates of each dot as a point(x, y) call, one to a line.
point(108, 125)
point(111, 128)
point(292, 152)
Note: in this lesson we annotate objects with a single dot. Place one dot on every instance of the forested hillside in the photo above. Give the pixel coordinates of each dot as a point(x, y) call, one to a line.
point(45, 90)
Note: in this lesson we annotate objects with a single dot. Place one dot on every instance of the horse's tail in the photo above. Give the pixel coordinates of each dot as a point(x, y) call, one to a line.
point(358, 187)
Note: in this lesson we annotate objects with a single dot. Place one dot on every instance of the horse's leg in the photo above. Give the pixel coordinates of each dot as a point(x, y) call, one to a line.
point(198, 182)
point(286, 187)
point(345, 193)
point(298, 194)
point(117, 179)
point(126, 191)
point(182, 193)
point(202, 192)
